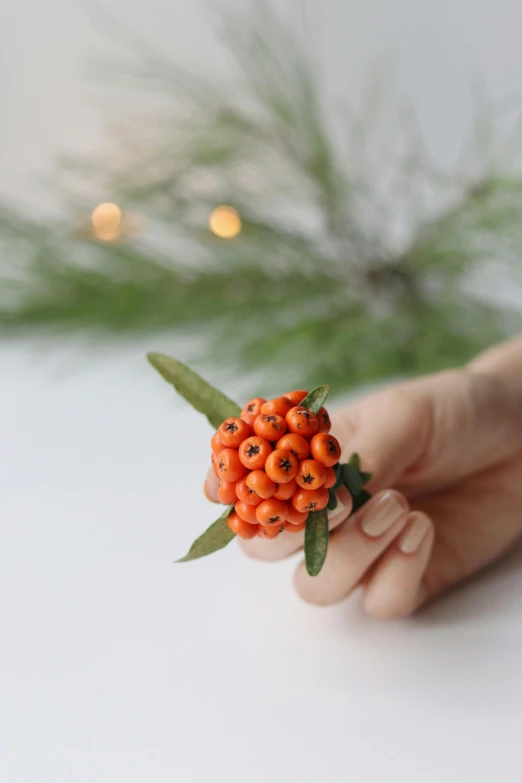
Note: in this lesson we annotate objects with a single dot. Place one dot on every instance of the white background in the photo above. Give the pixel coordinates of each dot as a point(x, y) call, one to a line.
point(115, 664)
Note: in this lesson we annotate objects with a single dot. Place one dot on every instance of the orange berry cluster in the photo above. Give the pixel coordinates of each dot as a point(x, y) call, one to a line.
point(275, 464)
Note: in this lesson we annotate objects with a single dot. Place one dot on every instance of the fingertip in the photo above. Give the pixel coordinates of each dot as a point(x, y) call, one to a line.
point(354, 548)
point(397, 587)
point(343, 508)
point(211, 486)
point(320, 590)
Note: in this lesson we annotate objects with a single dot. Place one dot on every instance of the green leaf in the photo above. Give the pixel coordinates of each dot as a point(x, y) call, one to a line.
point(355, 460)
point(360, 499)
point(316, 541)
point(199, 393)
point(315, 400)
point(352, 479)
point(332, 502)
point(215, 537)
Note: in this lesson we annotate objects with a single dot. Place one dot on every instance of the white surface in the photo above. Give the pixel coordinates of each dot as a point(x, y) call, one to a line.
point(116, 665)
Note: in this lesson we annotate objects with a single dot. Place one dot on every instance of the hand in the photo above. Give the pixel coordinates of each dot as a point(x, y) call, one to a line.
point(450, 446)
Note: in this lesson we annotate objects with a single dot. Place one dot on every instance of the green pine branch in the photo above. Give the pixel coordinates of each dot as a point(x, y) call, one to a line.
point(316, 285)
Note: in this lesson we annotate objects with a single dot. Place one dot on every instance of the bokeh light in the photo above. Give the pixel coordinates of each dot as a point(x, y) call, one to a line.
point(224, 222)
point(106, 221)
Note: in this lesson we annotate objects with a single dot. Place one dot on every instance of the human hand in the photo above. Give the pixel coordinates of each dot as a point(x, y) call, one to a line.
point(450, 447)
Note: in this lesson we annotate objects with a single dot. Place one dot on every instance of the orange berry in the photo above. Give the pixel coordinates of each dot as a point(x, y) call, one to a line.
point(279, 405)
point(253, 406)
point(247, 495)
point(269, 531)
point(310, 499)
point(272, 512)
point(290, 528)
point(329, 477)
point(270, 426)
point(285, 491)
point(240, 527)
point(233, 432)
point(227, 492)
point(296, 444)
point(229, 468)
point(214, 461)
point(254, 451)
point(216, 443)
point(325, 448)
point(246, 512)
point(323, 417)
point(281, 466)
point(311, 474)
point(296, 396)
point(249, 418)
point(295, 517)
point(301, 421)
point(261, 484)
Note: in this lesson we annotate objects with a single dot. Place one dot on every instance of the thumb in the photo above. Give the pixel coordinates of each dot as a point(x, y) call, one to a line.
point(426, 433)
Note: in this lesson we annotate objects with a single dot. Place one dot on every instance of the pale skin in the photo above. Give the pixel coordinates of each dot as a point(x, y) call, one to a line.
point(445, 451)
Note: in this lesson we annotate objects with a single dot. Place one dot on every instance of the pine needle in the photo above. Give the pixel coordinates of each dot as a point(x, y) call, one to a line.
point(317, 286)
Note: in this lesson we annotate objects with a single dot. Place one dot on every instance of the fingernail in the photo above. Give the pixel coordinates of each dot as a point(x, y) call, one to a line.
point(413, 537)
point(342, 508)
point(338, 510)
point(381, 515)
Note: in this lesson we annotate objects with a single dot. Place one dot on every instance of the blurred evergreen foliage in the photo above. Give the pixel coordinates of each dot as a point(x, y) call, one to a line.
point(354, 263)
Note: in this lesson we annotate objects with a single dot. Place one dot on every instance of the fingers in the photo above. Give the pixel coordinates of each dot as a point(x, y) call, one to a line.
point(211, 486)
point(288, 543)
point(395, 588)
point(389, 430)
point(354, 548)
point(421, 435)
point(474, 424)
point(476, 521)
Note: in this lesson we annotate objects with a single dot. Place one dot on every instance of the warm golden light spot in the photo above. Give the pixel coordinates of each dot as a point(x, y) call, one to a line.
point(225, 222)
point(106, 221)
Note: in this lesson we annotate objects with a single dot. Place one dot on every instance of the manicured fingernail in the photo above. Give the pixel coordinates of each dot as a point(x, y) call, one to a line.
point(338, 510)
point(343, 507)
point(413, 536)
point(381, 515)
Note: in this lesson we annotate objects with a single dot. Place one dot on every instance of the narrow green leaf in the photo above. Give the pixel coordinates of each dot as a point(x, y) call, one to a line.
point(352, 479)
point(316, 541)
point(199, 393)
point(332, 502)
point(355, 460)
point(360, 499)
point(215, 537)
point(315, 400)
